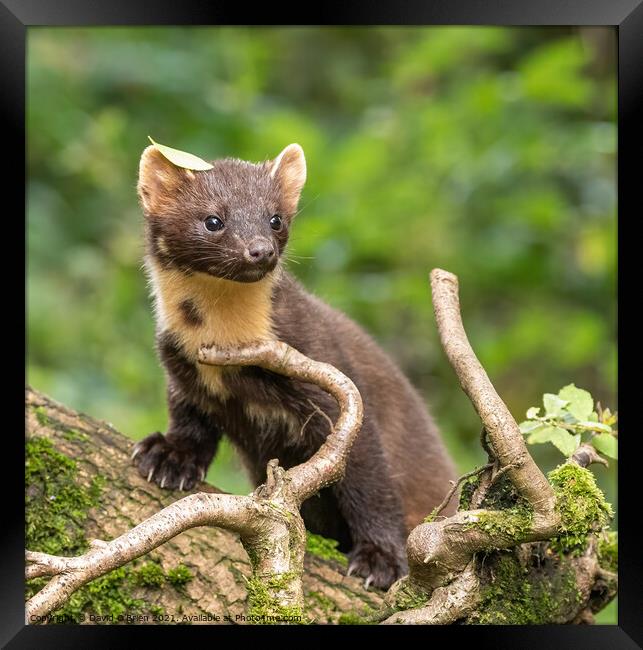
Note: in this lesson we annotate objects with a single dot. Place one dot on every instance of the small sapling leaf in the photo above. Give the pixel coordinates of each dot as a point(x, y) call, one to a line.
point(563, 441)
point(580, 402)
point(606, 444)
point(529, 426)
point(533, 412)
point(554, 405)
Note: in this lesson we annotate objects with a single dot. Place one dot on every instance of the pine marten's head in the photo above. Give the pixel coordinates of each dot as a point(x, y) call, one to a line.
point(231, 221)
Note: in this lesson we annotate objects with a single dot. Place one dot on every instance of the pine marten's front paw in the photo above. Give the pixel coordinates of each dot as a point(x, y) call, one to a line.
point(380, 567)
point(167, 464)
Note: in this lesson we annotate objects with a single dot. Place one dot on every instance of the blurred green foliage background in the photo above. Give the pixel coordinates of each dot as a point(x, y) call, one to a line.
point(489, 152)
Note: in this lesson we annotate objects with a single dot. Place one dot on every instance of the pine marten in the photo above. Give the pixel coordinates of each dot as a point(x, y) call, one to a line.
point(214, 245)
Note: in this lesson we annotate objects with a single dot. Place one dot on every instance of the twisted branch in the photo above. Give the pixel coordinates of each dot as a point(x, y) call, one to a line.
point(445, 502)
point(237, 513)
point(447, 605)
point(268, 521)
point(327, 465)
point(439, 550)
point(503, 432)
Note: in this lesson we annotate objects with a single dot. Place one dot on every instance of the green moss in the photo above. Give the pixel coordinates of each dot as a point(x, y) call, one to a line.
point(107, 599)
point(581, 506)
point(323, 601)
point(45, 420)
point(352, 618)
point(501, 495)
point(42, 416)
point(517, 595)
point(608, 551)
point(263, 607)
point(253, 556)
point(74, 436)
point(157, 610)
point(407, 596)
point(329, 607)
point(512, 523)
point(109, 596)
point(509, 515)
point(324, 548)
point(467, 490)
point(151, 574)
point(179, 575)
point(56, 504)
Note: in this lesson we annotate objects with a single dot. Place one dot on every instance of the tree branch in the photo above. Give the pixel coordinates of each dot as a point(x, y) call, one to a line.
point(328, 464)
point(268, 521)
point(456, 484)
point(447, 605)
point(237, 513)
point(586, 454)
point(504, 434)
point(439, 550)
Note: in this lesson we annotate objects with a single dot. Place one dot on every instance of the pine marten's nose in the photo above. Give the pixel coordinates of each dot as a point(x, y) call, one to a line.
point(259, 251)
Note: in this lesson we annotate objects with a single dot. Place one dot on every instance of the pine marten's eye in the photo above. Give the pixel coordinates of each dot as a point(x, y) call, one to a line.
point(213, 223)
point(275, 223)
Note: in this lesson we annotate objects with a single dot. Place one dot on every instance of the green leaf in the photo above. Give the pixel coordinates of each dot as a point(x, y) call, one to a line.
point(554, 405)
point(595, 426)
point(543, 435)
point(580, 401)
point(182, 158)
point(528, 426)
point(533, 412)
point(593, 416)
point(606, 444)
point(563, 441)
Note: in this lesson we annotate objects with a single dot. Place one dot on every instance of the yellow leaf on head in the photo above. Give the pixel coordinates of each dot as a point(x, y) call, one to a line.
point(182, 158)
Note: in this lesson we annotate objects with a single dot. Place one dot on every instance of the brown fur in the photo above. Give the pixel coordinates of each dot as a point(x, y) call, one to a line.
point(206, 291)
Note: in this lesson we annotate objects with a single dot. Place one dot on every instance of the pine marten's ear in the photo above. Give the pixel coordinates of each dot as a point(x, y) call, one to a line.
point(289, 168)
point(158, 180)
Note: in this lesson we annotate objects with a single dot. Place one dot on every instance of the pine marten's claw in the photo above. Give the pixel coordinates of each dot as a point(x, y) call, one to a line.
point(380, 566)
point(171, 467)
point(136, 451)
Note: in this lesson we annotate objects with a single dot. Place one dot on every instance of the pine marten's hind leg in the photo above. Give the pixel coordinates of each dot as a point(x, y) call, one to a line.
point(369, 503)
point(179, 459)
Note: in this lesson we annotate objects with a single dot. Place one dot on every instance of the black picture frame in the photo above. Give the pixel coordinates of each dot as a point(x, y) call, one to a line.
point(625, 15)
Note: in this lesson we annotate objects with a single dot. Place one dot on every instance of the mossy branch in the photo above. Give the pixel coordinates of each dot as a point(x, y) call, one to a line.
point(70, 573)
point(268, 521)
point(440, 553)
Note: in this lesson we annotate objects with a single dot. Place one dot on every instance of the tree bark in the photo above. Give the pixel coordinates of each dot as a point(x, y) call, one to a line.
point(219, 567)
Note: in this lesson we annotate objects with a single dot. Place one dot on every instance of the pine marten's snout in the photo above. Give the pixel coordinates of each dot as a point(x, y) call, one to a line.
point(258, 257)
point(260, 253)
